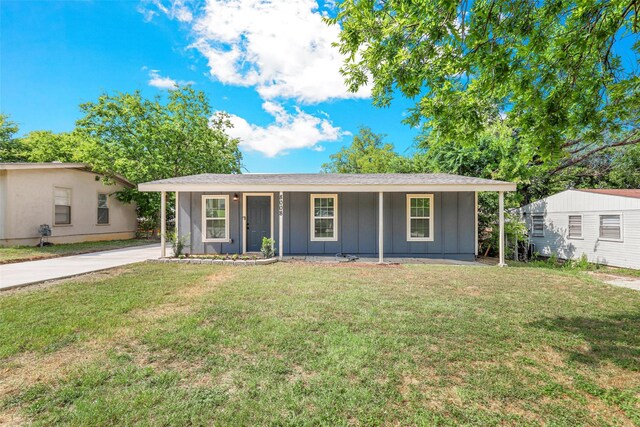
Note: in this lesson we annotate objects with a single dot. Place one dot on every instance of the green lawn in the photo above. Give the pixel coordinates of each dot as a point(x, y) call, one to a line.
point(29, 253)
point(304, 344)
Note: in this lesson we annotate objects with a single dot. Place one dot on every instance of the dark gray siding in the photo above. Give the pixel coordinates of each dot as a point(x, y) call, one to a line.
point(454, 219)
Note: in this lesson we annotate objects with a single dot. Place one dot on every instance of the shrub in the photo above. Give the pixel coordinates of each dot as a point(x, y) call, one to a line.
point(582, 263)
point(268, 246)
point(178, 243)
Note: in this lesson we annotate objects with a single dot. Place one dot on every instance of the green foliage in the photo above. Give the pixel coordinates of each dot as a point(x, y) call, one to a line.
point(46, 146)
point(9, 145)
point(368, 153)
point(552, 70)
point(178, 243)
point(148, 139)
point(268, 247)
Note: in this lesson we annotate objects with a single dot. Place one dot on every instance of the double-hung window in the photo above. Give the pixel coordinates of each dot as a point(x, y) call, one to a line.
point(324, 217)
point(103, 209)
point(419, 217)
point(575, 226)
point(62, 206)
point(215, 218)
point(537, 225)
point(611, 227)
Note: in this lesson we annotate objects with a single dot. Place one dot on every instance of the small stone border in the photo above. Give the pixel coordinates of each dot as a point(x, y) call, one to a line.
point(260, 261)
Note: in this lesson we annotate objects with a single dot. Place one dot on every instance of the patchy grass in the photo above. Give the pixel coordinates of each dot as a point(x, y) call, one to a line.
point(29, 253)
point(160, 344)
point(572, 266)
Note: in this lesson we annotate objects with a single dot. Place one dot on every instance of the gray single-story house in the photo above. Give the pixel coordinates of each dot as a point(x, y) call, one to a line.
point(399, 215)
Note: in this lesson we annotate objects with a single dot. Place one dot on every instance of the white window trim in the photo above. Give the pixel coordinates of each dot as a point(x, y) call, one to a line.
point(98, 207)
point(621, 239)
point(431, 219)
point(226, 218)
point(312, 217)
point(581, 236)
point(244, 216)
point(70, 207)
point(533, 231)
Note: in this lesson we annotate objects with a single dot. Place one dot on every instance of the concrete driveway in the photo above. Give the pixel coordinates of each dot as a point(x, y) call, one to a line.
point(30, 272)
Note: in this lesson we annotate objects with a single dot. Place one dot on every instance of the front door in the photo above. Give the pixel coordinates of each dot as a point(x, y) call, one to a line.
point(258, 221)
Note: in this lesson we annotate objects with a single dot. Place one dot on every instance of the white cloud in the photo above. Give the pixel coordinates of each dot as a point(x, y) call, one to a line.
point(289, 131)
point(176, 10)
point(282, 48)
point(161, 82)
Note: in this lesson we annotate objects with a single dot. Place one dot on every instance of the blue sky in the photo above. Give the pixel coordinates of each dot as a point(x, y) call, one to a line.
point(269, 64)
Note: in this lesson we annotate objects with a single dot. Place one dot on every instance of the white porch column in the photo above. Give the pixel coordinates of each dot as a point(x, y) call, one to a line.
point(380, 227)
point(280, 224)
point(176, 215)
point(501, 220)
point(163, 223)
point(476, 223)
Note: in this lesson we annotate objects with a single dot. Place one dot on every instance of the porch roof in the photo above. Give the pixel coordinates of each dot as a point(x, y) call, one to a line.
point(386, 182)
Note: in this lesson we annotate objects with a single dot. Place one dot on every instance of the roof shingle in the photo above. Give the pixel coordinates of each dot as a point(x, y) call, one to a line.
point(329, 179)
point(635, 193)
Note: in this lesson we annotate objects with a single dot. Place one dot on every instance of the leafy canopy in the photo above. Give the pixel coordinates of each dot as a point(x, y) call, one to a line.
point(148, 139)
point(9, 146)
point(368, 153)
point(554, 70)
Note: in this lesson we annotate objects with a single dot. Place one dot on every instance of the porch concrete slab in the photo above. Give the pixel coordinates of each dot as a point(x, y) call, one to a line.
point(390, 260)
point(31, 272)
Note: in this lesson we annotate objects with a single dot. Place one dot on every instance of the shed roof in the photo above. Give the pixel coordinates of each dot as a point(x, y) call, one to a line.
point(321, 181)
point(635, 193)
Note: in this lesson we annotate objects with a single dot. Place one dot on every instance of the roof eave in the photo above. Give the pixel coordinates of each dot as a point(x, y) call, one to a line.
point(347, 188)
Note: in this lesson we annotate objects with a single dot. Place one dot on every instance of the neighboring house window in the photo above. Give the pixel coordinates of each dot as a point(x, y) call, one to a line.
point(324, 217)
point(215, 218)
point(62, 206)
point(537, 225)
point(419, 217)
point(611, 227)
point(103, 209)
point(575, 226)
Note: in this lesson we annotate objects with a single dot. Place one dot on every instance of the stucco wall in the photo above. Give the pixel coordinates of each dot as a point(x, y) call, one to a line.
point(29, 202)
point(454, 225)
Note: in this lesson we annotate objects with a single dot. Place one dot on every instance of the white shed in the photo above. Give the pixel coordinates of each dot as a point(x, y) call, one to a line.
point(602, 224)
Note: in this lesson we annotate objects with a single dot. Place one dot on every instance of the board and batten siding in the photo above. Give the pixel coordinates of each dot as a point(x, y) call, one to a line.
point(454, 225)
point(556, 210)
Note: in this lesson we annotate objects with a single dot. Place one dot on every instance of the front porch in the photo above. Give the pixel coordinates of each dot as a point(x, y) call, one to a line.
point(378, 217)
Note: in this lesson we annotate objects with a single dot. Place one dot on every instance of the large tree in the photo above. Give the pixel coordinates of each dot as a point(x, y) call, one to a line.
point(368, 153)
point(9, 144)
point(46, 146)
point(563, 74)
point(149, 139)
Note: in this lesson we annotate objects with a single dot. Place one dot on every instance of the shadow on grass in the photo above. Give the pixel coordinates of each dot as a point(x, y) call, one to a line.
point(615, 339)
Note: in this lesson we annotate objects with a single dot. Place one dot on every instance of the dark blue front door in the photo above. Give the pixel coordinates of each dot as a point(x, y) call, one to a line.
point(258, 221)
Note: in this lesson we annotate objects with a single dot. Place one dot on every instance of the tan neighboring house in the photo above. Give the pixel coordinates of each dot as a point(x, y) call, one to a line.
point(68, 197)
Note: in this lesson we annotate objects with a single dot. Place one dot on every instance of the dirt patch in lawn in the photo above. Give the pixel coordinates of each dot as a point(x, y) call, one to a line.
point(183, 300)
point(28, 369)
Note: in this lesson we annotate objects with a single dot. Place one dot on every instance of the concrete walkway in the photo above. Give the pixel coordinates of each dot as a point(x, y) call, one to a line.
point(621, 281)
point(30, 272)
